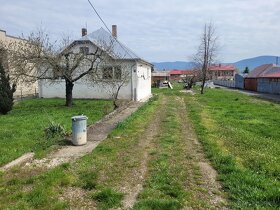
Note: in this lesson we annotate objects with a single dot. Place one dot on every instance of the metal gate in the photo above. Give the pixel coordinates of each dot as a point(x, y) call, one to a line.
point(250, 84)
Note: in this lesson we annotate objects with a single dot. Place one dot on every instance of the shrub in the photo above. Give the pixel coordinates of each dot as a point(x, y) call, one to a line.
point(54, 129)
point(6, 92)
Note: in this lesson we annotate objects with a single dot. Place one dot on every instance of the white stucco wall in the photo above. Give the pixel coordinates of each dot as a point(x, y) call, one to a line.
point(137, 87)
point(142, 81)
point(22, 88)
point(81, 89)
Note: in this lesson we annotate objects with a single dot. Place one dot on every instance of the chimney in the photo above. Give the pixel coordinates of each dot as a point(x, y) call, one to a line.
point(84, 31)
point(114, 31)
point(220, 65)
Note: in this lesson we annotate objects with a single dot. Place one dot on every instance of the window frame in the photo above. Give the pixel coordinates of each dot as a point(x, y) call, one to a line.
point(113, 75)
point(84, 50)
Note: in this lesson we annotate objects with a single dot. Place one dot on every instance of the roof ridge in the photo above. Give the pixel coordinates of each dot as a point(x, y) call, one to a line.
point(126, 49)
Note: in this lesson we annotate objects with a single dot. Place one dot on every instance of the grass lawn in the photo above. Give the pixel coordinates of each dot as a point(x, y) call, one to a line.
point(241, 137)
point(165, 185)
point(22, 130)
point(103, 176)
point(99, 175)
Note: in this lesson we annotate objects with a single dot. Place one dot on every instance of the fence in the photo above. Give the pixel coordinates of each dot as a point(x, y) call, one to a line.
point(21, 94)
point(239, 81)
point(268, 85)
point(226, 83)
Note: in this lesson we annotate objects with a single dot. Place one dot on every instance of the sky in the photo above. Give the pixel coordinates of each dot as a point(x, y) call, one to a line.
point(157, 30)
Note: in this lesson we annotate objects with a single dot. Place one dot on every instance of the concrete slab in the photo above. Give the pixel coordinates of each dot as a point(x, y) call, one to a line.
point(23, 159)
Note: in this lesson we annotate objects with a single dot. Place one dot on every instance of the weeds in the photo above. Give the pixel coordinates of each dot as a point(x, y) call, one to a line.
point(54, 130)
point(88, 180)
point(107, 198)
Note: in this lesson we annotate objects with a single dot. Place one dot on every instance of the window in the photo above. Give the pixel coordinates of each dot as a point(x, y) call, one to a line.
point(117, 72)
point(84, 50)
point(110, 72)
point(107, 73)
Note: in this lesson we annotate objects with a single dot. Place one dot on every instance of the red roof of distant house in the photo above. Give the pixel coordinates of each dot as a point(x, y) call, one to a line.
point(181, 72)
point(259, 71)
point(272, 75)
point(273, 72)
point(222, 67)
point(265, 71)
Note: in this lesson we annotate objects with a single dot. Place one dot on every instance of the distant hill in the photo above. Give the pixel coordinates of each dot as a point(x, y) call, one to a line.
point(180, 65)
point(254, 62)
point(250, 62)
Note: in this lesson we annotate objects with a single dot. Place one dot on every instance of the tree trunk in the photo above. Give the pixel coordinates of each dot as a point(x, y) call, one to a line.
point(203, 79)
point(202, 85)
point(115, 98)
point(69, 88)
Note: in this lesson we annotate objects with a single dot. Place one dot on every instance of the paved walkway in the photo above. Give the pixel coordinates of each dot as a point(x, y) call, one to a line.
point(95, 134)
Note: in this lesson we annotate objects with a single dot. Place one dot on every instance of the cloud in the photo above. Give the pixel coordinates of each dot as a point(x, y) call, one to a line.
point(158, 30)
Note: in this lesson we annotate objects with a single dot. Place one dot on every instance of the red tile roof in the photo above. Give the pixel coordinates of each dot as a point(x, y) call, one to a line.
point(181, 72)
point(222, 67)
point(272, 75)
point(273, 72)
point(260, 71)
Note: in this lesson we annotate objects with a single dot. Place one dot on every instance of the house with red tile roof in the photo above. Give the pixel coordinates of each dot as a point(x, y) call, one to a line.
point(222, 72)
point(264, 78)
point(158, 77)
point(260, 71)
point(180, 74)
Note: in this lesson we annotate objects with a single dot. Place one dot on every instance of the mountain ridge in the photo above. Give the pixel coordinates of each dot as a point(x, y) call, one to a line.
point(251, 63)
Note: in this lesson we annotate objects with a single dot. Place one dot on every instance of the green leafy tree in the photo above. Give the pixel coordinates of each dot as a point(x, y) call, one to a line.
point(6, 91)
point(246, 70)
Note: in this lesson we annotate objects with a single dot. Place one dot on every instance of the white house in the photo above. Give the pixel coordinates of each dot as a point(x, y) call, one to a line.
point(138, 84)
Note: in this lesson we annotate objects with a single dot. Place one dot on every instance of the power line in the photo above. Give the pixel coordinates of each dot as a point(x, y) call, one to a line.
point(98, 15)
point(124, 48)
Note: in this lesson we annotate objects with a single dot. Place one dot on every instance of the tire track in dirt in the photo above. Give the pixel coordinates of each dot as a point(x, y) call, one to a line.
point(135, 185)
point(202, 176)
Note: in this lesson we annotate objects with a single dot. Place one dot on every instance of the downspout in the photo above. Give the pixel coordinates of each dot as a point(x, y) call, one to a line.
point(132, 84)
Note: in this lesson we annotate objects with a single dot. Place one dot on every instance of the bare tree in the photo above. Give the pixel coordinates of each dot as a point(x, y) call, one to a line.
point(190, 80)
point(207, 52)
point(116, 74)
point(39, 58)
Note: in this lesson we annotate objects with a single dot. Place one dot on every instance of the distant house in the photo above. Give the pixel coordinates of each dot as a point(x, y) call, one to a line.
point(22, 89)
point(264, 78)
point(138, 86)
point(180, 74)
point(222, 72)
point(159, 76)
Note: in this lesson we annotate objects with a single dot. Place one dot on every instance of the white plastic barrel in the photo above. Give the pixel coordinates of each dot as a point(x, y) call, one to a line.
point(79, 130)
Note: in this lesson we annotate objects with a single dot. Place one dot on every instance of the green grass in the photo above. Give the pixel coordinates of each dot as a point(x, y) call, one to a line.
point(164, 187)
point(241, 137)
point(100, 174)
point(20, 190)
point(22, 130)
point(107, 198)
